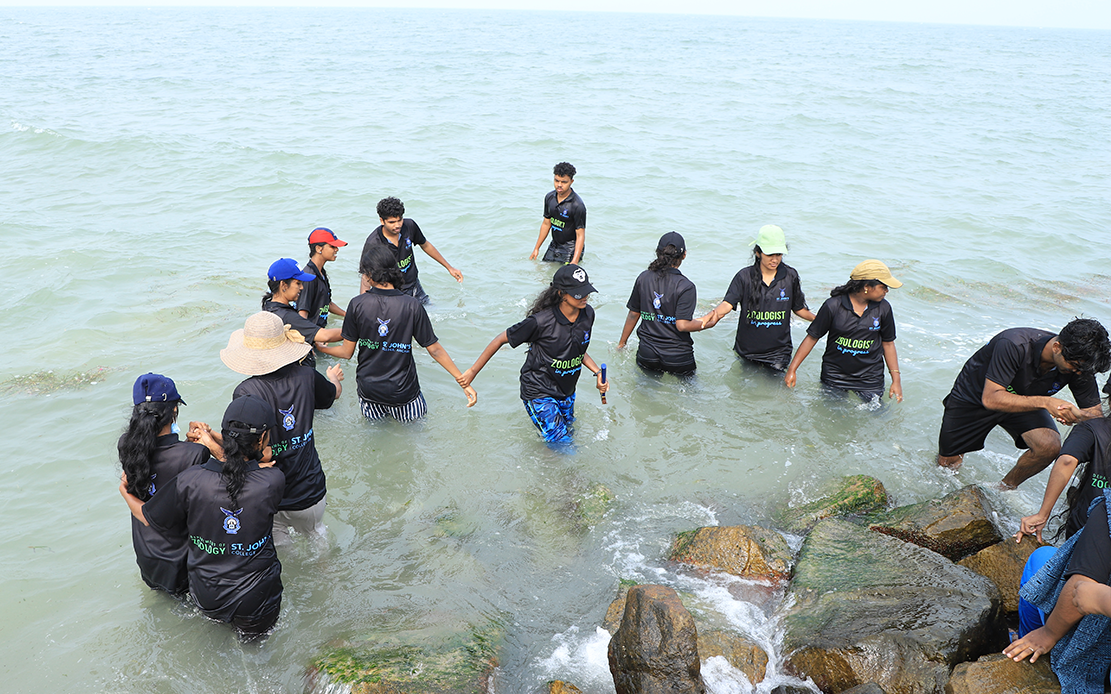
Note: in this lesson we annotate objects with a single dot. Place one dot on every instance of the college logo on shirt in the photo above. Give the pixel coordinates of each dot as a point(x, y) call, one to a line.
point(382, 329)
point(586, 337)
point(231, 520)
point(875, 323)
point(783, 295)
point(151, 489)
point(1052, 389)
point(656, 301)
point(288, 420)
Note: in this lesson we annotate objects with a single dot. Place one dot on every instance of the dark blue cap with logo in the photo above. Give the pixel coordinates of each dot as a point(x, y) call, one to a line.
point(287, 269)
point(154, 387)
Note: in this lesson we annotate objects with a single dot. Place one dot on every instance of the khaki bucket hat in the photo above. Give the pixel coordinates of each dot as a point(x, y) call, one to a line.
point(263, 346)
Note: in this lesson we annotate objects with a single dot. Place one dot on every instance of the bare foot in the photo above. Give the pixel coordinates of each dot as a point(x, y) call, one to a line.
point(953, 462)
point(1034, 644)
point(1091, 597)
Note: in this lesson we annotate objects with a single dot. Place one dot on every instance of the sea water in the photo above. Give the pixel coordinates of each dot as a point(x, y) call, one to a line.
point(156, 161)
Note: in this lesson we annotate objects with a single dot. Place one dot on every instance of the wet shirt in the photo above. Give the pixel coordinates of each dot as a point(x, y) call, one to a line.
point(171, 457)
point(307, 327)
point(295, 391)
point(1089, 442)
point(384, 323)
point(409, 236)
point(566, 216)
point(764, 327)
point(231, 551)
point(556, 350)
point(661, 298)
point(1012, 359)
point(853, 359)
point(316, 295)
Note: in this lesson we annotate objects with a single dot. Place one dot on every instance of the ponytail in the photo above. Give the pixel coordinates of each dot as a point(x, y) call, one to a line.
point(240, 448)
point(670, 256)
point(136, 446)
point(273, 286)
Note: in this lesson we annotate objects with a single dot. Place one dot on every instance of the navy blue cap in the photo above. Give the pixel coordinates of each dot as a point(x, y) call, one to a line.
point(287, 269)
point(256, 413)
point(154, 387)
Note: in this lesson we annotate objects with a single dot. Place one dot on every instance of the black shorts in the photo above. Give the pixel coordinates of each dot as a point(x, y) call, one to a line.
point(562, 252)
point(964, 427)
point(1092, 555)
point(660, 367)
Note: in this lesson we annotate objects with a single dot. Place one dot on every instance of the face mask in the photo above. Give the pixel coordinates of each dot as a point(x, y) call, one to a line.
point(174, 429)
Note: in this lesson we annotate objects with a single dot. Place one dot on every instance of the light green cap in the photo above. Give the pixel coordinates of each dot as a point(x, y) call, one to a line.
point(771, 240)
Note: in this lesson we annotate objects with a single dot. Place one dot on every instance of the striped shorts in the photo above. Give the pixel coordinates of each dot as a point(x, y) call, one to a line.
point(412, 410)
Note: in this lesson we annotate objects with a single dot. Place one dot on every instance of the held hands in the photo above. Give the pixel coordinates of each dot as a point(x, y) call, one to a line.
point(710, 320)
point(1031, 525)
point(464, 379)
point(1064, 412)
point(197, 430)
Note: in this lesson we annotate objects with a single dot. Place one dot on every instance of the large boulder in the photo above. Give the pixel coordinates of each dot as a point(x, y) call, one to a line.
point(742, 550)
point(998, 674)
point(870, 688)
point(1003, 563)
point(616, 610)
point(955, 526)
point(655, 650)
point(847, 496)
point(738, 651)
point(865, 607)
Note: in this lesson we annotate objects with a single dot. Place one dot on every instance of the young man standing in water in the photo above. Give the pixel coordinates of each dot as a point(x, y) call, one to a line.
point(1010, 382)
point(315, 301)
point(565, 218)
point(399, 235)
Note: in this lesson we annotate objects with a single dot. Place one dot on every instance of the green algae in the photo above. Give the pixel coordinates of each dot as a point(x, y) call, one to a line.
point(47, 382)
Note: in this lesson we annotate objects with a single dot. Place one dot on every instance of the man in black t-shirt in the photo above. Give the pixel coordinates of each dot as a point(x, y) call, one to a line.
point(565, 218)
point(315, 300)
point(1010, 382)
point(399, 235)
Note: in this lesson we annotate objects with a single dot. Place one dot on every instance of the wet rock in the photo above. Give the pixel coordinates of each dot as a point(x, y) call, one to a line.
point(616, 610)
point(1003, 563)
point(998, 674)
point(869, 688)
point(738, 651)
point(592, 504)
point(655, 650)
point(850, 495)
point(791, 689)
point(558, 687)
point(742, 550)
point(870, 608)
point(955, 526)
point(456, 663)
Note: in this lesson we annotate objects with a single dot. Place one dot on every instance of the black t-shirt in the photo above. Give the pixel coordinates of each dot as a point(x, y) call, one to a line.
point(1089, 442)
point(231, 551)
point(316, 295)
point(1012, 359)
point(295, 391)
point(764, 327)
point(307, 327)
point(853, 359)
point(384, 323)
point(170, 458)
point(566, 216)
point(556, 350)
point(661, 298)
point(409, 236)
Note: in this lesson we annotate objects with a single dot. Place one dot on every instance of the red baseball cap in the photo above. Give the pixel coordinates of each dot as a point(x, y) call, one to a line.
point(323, 235)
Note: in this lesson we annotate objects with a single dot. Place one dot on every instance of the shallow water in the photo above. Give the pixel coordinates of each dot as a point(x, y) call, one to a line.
point(156, 162)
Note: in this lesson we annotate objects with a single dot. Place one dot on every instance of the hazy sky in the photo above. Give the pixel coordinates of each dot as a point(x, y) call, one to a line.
point(1088, 14)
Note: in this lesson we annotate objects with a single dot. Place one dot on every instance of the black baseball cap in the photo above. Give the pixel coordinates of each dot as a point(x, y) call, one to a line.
point(672, 238)
point(572, 279)
point(256, 413)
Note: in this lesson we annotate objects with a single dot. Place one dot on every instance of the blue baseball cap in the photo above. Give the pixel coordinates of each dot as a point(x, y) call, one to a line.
point(154, 387)
point(287, 269)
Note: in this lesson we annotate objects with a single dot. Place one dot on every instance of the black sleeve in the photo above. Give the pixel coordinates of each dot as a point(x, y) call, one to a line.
point(1006, 360)
point(799, 302)
point(422, 327)
point(823, 321)
point(578, 216)
point(164, 511)
point(415, 233)
point(522, 332)
point(887, 323)
point(737, 290)
point(324, 391)
point(1080, 443)
point(634, 298)
point(308, 299)
point(1085, 390)
point(688, 301)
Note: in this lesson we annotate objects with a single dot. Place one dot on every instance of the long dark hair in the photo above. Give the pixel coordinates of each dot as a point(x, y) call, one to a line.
point(853, 286)
point(669, 256)
point(240, 448)
point(380, 267)
point(273, 286)
point(136, 446)
point(546, 299)
point(757, 277)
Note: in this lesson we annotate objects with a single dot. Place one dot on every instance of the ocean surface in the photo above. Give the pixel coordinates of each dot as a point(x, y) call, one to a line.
point(155, 162)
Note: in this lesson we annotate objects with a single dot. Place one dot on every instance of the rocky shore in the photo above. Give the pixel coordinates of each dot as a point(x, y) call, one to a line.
point(877, 600)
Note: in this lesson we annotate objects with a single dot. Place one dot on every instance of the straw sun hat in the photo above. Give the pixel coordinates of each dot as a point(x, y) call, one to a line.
point(263, 346)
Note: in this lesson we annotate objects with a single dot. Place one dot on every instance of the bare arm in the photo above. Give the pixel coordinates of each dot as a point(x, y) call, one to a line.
point(343, 351)
point(435, 255)
point(892, 358)
point(1065, 616)
point(593, 368)
point(801, 353)
point(437, 352)
point(133, 502)
point(336, 310)
point(327, 335)
point(805, 314)
point(720, 311)
point(201, 433)
point(545, 227)
point(303, 314)
point(630, 323)
point(997, 398)
point(691, 326)
point(467, 376)
point(580, 242)
point(335, 374)
point(1059, 478)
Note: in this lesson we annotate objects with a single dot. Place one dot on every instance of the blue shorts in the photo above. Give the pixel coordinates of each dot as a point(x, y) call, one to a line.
point(1030, 617)
point(552, 417)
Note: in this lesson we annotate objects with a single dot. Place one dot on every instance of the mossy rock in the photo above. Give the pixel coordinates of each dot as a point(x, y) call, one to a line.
point(742, 550)
point(848, 496)
point(955, 526)
point(46, 382)
point(591, 505)
point(461, 663)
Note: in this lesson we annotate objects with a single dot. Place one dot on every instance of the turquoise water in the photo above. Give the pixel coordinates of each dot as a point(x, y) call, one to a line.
point(156, 161)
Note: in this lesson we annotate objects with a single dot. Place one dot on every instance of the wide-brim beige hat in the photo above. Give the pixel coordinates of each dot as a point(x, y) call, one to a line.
point(263, 346)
